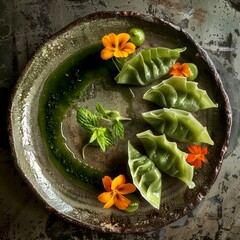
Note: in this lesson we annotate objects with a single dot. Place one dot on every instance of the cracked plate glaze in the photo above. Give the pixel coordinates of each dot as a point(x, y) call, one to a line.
point(61, 193)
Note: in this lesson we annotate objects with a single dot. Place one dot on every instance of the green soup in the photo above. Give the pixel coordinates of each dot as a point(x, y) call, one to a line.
point(83, 80)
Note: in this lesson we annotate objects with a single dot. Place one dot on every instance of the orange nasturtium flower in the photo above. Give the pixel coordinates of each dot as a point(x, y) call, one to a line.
point(179, 69)
point(116, 46)
point(116, 188)
point(197, 155)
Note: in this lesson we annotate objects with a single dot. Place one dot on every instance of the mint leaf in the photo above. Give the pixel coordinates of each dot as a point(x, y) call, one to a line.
point(100, 110)
point(107, 114)
point(104, 126)
point(101, 139)
point(87, 119)
point(94, 136)
point(104, 138)
point(109, 138)
point(118, 129)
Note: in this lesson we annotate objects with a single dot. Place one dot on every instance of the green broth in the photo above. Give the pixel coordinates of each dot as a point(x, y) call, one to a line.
point(61, 89)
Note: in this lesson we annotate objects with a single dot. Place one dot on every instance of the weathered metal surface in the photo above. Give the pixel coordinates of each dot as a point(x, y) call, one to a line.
point(25, 24)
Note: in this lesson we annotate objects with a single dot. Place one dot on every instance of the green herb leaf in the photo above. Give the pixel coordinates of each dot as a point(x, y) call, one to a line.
point(101, 138)
point(94, 136)
point(102, 134)
point(107, 114)
point(87, 119)
point(109, 138)
point(100, 110)
point(118, 129)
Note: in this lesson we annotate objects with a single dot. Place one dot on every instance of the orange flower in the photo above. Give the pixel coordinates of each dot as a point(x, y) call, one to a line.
point(179, 69)
point(116, 188)
point(197, 155)
point(116, 46)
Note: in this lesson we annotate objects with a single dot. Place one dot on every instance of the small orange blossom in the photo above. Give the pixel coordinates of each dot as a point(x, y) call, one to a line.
point(116, 46)
point(197, 155)
point(179, 69)
point(116, 188)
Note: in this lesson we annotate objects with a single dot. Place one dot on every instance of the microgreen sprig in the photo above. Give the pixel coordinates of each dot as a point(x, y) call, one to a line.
point(104, 126)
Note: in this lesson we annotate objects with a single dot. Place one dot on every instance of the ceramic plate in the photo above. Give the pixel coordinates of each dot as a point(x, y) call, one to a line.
point(64, 74)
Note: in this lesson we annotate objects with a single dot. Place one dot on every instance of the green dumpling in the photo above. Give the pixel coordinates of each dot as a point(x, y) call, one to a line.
point(148, 65)
point(146, 177)
point(167, 157)
point(177, 92)
point(178, 124)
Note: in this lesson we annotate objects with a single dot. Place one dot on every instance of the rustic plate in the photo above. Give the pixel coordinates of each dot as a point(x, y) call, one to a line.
point(66, 64)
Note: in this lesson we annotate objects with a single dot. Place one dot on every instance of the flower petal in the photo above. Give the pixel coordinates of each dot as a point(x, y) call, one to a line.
point(195, 149)
point(129, 48)
point(107, 182)
point(117, 181)
point(121, 202)
point(201, 157)
point(176, 66)
point(126, 188)
point(105, 197)
point(120, 54)
point(179, 69)
point(122, 39)
point(205, 150)
point(110, 202)
point(174, 70)
point(110, 40)
point(197, 163)
point(107, 53)
point(191, 158)
point(185, 70)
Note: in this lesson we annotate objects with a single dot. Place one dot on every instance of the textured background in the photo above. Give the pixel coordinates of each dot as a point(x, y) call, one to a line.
point(26, 24)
